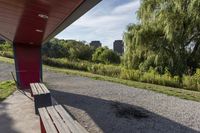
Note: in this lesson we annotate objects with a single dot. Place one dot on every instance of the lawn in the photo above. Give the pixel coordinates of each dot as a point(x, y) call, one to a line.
point(6, 89)
point(177, 92)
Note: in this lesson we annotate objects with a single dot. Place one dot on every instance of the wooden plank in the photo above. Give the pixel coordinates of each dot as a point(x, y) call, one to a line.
point(67, 119)
point(47, 121)
point(60, 108)
point(62, 128)
point(39, 89)
point(33, 89)
point(44, 88)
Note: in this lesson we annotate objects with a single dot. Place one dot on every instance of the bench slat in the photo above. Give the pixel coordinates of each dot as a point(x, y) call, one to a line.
point(67, 119)
point(39, 88)
point(62, 128)
point(34, 90)
point(44, 88)
point(46, 120)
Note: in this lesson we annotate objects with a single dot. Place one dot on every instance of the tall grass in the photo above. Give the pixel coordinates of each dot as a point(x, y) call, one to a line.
point(192, 82)
point(8, 54)
point(6, 89)
point(187, 82)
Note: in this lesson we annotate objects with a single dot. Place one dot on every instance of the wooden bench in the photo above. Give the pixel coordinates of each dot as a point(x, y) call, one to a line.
point(55, 119)
point(41, 94)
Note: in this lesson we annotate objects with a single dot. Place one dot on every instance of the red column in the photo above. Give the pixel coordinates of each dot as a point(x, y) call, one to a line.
point(28, 64)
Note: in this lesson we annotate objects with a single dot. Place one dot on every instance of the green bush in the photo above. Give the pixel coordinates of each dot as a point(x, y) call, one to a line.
point(106, 70)
point(5, 47)
point(192, 82)
point(8, 54)
point(64, 63)
point(131, 74)
point(106, 56)
point(150, 77)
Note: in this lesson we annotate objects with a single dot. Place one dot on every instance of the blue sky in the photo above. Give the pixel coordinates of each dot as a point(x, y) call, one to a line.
point(106, 22)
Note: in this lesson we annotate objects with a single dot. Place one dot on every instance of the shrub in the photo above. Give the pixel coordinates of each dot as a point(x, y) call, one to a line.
point(64, 63)
point(5, 47)
point(106, 70)
point(106, 56)
point(131, 74)
point(7, 54)
point(192, 82)
point(150, 77)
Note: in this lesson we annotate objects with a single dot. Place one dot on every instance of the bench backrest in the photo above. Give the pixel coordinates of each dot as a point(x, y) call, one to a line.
point(39, 88)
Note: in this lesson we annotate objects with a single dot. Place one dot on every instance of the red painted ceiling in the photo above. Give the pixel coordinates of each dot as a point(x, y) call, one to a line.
point(32, 21)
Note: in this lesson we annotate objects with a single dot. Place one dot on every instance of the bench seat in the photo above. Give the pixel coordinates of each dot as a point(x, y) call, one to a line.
point(41, 95)
point(55, 119)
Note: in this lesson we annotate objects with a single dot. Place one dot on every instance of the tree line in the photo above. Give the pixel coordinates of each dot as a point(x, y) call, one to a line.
point(79, 50)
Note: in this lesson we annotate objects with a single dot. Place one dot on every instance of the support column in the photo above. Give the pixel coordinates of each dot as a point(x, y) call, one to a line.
point(28, 64)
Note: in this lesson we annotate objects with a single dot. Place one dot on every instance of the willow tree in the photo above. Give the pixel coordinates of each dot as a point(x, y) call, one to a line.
point(169, 28)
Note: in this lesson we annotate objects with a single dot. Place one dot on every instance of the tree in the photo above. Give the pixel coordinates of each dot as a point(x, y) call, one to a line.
point(106, 56)
point(70, 49)
point(171, 30)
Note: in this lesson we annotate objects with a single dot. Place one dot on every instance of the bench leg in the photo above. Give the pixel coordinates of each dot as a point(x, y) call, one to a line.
point(42, 127)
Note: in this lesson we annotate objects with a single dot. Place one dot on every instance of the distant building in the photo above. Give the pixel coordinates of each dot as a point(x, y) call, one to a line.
point(118, 46)
point(95, 44)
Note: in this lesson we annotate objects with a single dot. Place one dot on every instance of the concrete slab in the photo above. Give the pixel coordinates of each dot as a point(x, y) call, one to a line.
point(17, 114)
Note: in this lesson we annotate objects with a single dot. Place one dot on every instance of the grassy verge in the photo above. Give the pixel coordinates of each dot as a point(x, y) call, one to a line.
point(178, 92)
point(6, 89)
point(6, 60)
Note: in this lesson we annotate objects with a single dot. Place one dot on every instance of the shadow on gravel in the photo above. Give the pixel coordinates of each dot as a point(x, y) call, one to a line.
point(115, 117)
point(6, 123)
point(129, 111)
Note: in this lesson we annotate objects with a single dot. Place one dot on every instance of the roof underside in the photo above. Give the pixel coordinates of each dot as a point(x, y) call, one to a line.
point(36, 21)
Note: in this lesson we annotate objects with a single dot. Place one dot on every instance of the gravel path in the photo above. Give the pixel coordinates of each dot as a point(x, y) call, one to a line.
point(93, 104)
point(5, 71)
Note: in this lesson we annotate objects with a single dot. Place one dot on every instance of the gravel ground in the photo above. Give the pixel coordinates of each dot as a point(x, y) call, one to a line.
point(92, 103)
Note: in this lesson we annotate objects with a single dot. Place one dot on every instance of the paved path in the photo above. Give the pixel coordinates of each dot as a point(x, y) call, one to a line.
point(91, 102)
point(17, 115)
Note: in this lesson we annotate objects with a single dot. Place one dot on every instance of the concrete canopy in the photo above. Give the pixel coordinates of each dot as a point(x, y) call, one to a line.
point(29, 23)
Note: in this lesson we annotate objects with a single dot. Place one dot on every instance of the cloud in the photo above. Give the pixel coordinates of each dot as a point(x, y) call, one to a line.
point(126, 8)
point(104, 23)
point(96, 22)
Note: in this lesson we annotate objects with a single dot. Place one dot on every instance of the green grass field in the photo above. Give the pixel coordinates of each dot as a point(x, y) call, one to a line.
point(6, 89)
point(177, 92)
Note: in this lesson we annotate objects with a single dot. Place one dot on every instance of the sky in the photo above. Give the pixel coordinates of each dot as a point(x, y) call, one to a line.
point(106, 22)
